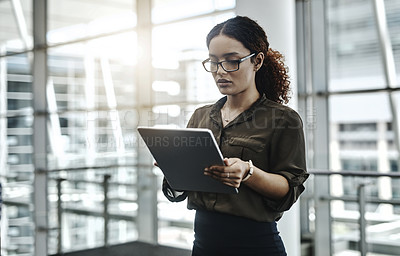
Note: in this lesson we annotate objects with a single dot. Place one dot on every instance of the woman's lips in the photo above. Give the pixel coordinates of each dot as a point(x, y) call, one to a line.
point(223, 82)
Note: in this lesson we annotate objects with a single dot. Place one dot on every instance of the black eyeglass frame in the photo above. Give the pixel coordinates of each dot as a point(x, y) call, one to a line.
point(222, 66)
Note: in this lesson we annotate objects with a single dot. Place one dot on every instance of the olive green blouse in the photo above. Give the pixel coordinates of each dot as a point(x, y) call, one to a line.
point(269, 134)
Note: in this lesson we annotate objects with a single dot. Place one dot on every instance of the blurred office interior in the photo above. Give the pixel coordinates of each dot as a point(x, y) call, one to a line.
point(78, 76)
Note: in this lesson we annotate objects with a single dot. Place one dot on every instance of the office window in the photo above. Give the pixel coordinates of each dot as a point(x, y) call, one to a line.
point(15, 26)
point(90, 121)
point(77, 20)
point(170, 10)
point(93, 110)
point(362, 137)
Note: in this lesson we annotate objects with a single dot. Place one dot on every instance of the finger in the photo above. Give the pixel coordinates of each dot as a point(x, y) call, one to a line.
point(217, 168)
point(231, 181)
point(230, 161)
point(227, 176)
point(226, 161)
point(223, 172)
point(217, 174)
point(213, 175)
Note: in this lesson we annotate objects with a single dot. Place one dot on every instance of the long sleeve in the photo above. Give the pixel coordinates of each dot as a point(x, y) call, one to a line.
point(171, 194)
point(288, 159)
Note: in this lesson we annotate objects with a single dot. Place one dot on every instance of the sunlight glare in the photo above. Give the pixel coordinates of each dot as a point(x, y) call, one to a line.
point(170, 87)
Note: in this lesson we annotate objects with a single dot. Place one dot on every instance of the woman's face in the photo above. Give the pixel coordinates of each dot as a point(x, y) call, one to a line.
point(223, 48)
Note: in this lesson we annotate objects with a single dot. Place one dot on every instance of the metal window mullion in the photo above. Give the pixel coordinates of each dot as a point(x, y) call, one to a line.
point(39, 82)
point(319, 78)
point(302, 67)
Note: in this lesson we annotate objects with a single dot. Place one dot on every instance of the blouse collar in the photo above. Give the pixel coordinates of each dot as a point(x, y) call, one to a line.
point(243, 117)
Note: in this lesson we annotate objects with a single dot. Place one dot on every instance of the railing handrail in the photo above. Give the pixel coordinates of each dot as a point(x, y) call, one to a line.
point(355, 173)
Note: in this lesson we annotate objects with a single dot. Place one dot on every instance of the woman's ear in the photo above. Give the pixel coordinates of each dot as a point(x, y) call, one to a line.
point(259, 60)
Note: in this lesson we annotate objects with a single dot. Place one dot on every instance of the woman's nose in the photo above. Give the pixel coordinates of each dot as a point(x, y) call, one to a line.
point(220, 69)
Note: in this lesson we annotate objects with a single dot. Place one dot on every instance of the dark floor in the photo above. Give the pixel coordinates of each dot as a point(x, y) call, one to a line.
point(131, 249)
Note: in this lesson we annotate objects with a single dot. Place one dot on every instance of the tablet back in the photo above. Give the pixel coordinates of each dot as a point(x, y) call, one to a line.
point(182, 155)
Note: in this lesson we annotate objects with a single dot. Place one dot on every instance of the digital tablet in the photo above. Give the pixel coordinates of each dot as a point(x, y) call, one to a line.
point(182, 155)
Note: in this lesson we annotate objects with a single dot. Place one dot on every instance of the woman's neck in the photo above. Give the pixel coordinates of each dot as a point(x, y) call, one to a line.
point(241, 101)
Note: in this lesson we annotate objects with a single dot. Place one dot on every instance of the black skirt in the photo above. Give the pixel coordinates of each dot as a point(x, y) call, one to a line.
point(218, 234)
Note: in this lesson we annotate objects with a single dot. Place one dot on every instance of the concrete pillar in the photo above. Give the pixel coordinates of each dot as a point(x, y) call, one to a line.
point(278, 20)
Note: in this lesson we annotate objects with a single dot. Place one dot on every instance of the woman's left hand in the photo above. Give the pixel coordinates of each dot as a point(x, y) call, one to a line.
point(231, 174)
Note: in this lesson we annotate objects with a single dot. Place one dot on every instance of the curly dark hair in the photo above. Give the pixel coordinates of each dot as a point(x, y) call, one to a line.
point(272, 78)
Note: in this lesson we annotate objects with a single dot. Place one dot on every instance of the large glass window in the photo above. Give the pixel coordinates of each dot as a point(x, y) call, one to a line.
point(354, 47)
point(95, 65)
point(90, 121)
point(351, 83)
point(171, 10)
point(76, 20)
point(355, 59)
point(16, 162)
point(361, 134)
point(15, 25)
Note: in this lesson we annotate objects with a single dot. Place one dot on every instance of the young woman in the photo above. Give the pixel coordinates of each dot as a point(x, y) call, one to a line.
point(261, 139)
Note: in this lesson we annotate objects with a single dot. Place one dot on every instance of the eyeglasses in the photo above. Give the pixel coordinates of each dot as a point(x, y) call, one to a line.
point(227, 65)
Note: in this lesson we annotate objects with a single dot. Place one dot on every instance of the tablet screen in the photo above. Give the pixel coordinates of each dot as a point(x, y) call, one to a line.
point(182, 155)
